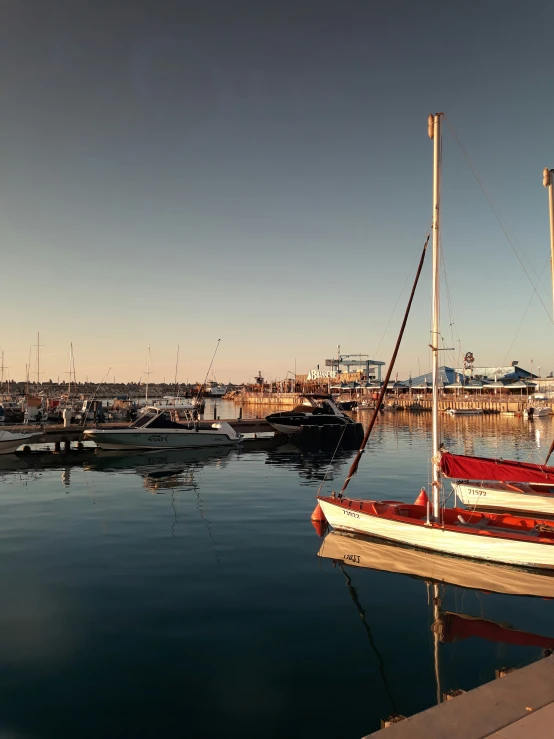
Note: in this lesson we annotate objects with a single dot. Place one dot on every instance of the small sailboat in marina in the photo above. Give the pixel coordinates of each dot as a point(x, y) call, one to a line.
point(496, 537)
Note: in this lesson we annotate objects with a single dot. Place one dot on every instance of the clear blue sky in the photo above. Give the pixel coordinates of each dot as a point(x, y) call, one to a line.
point(172, 173)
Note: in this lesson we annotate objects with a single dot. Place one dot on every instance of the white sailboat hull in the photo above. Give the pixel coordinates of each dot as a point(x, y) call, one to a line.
point(496, 496)
point(438, 539)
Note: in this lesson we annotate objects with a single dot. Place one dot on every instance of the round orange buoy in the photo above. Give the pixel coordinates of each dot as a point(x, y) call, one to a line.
point(320, 527)
point(422, 498)
point(318, 514)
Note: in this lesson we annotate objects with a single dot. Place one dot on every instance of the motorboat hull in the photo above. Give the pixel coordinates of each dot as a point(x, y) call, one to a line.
point(472, 543)
point(10, 442)
point(501, 496)
point(465, 411)
point(162, 439)
point(295, 424)
point(538, 412)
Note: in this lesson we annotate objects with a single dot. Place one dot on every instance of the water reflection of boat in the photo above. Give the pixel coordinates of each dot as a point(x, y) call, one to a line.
point(151, 462)
point(313, 466)
point(348, 551)
point(375, 555)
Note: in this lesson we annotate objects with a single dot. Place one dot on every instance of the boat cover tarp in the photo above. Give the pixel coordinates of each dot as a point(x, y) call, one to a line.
point(502, 470)
point(456, 627)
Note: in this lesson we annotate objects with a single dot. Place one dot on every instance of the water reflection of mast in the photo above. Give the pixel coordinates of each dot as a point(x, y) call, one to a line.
point(436, 638)
point(354, 595)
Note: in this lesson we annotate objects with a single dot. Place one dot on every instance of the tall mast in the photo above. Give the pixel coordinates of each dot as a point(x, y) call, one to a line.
point(547, 176)
point(176, 371)
point(70, 362)
point(435, 134)
point(147, 373)
point(38, 358)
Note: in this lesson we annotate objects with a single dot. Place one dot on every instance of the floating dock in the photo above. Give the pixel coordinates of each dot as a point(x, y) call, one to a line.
point(519, 705)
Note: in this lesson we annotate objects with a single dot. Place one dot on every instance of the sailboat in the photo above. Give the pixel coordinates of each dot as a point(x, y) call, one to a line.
point(496, 537)
point(510, 485)
point(499, 484)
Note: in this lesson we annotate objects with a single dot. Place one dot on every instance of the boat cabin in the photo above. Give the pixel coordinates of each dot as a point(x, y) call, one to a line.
point(162, 418)
point(317, 403)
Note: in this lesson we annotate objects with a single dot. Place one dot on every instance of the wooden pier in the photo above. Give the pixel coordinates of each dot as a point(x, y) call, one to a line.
point(56, 433)
point(512, 707)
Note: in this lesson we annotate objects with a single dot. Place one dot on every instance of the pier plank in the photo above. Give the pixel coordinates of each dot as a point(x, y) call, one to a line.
point(488, 710)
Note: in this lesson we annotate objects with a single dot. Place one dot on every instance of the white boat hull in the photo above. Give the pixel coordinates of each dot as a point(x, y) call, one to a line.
point(436, 538)
point(163, 439)
point(497, 496)
point(539, 412)
point(465, 411)
point(284, 429)
point(10, 442)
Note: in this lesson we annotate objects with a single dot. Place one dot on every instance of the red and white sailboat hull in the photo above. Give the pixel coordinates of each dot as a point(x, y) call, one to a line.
point(506, 496)
point(491, 537)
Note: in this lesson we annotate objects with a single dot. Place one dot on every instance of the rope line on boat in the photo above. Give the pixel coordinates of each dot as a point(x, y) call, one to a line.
point(361, 612)
point(87, 408)
point(500, 222)
point(332, 459)
point(376, 352)
point(356, 462)
point(525, 313)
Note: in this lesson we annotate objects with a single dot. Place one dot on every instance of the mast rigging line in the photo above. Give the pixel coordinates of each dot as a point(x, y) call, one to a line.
point(200, 394)
point(525, 313)
point(501, 224)
point(376, 352)
point(356, 462)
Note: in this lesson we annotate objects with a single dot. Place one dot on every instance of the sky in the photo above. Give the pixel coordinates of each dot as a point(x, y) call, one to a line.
point(174, 173)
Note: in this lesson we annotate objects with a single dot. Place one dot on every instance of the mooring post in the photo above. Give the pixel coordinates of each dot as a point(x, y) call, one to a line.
point(215, 411)
point(57, 447)
point(66, 446)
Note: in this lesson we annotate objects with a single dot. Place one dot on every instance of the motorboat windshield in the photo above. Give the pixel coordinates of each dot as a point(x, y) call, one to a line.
point(322, 402)
point(158, 418)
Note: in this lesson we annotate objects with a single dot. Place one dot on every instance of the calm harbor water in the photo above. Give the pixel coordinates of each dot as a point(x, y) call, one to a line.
point(181, 594)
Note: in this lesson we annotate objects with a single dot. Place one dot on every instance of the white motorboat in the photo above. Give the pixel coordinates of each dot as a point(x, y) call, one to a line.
point(159, 428)
point(10, 441)
point(316, 409)
point(537, 411)
point(216, 391)
point(465, 411)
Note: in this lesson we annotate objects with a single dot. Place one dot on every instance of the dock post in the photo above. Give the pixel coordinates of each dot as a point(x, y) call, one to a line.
point(450, 694)
point(57, 447)
point(66, 446)
point(394, 718)
point(503, 671)
point(80, 446)
point(240, 413)
point(215, 411)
